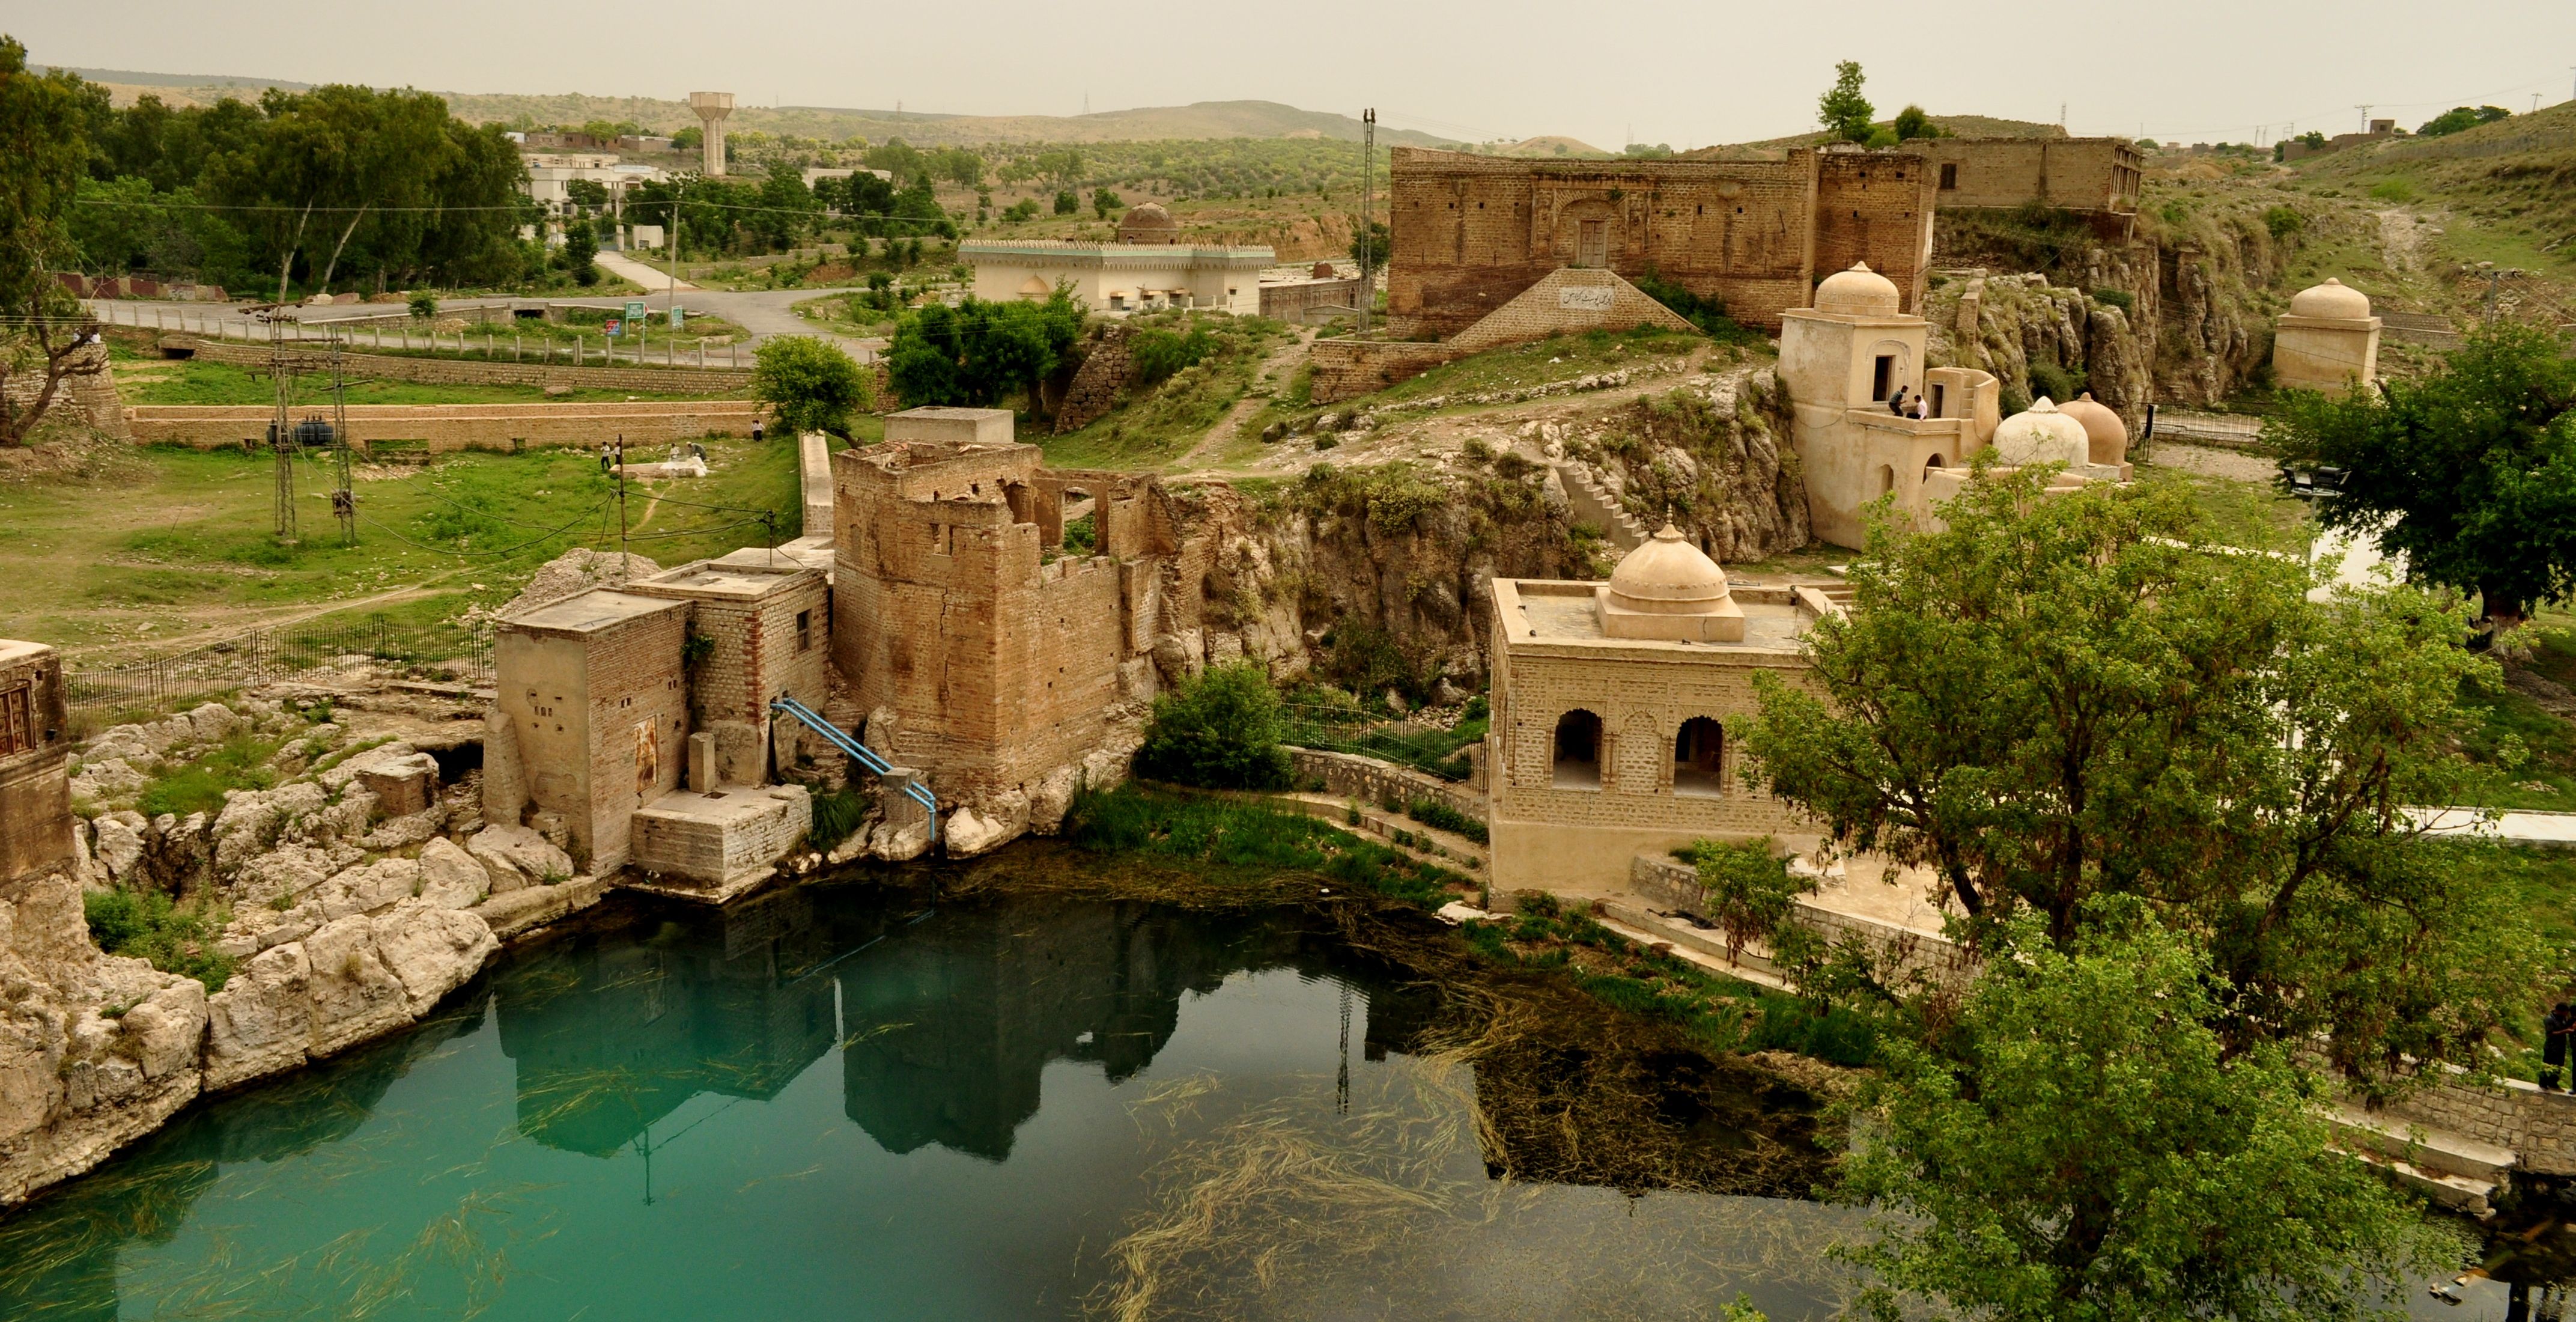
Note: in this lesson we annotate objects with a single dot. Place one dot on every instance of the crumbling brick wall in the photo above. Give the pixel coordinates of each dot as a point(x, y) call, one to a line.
point(1104, 373)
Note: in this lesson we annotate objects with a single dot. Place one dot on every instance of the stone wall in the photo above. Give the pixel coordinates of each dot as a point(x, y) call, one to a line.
point(86, 398)
point(35, 741)
point(1471, 232)
point(2078, 174)
point(1343, 368)
point(2539, 1127)
point(683, 377)
point(1672, 886)
point(1291, 300)
point(1371, 781)
point(1097, 383)
point(444, 428)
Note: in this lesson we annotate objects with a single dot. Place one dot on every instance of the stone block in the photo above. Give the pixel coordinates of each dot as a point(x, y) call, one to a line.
point(402, 785)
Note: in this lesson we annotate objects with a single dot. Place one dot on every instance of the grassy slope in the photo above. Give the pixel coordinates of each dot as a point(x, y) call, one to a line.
point(1157, 424)
point(147, 381)
point(177, 542)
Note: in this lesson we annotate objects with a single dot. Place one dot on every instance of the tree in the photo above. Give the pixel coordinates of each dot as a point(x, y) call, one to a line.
point(2461, 117)
point(1843, 111)
point(1372, 247)
point(808, 385)
point(2470, 473)
point(2067, 696)
point(1749, 892)
point(44, 145)
point(2080, 1144)
point(978, 353)
point(1220, 730)
point(1912, 123)
point(1066, 203)
point(1104, 203)
point(581, 252)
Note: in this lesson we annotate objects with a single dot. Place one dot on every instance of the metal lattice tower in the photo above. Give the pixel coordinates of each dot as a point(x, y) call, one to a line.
point(281, 429)
point(344, 497)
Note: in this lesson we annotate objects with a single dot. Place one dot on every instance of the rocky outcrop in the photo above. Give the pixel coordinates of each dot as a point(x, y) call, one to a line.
point(2042, 339)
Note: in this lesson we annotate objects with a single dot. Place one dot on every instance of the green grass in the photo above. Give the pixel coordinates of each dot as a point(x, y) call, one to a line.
point(186, 381)
point(1723, 1013)
point(148, 925)
point(179, 542)
point(1247, 835)
point(1153, 425)
point(2247, 514)
point(1557, 358)
point(239, 763)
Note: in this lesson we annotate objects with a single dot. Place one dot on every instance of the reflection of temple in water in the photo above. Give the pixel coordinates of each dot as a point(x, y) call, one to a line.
point(612, 1035)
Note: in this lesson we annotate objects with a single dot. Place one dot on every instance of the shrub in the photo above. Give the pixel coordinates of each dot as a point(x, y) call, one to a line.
point(1155, 354)
point(2393, 190)
point(146, 925)
point(2057, 383)
point(1749, 892)
point(2283, 221)
point(1066, 203)
point(836, 815)
point(1433, 812)
point(423, 305)
point(2118, 298)
point(1081, 536)
point(1220, 730)
point(1709, 314)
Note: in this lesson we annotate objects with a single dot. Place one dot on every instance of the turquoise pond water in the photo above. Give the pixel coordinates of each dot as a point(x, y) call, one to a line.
point(859, 1101)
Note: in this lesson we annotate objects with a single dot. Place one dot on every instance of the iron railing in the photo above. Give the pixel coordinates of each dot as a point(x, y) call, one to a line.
point(156, 683)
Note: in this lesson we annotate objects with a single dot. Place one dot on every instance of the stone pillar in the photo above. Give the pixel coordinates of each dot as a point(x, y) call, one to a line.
point(702, 761)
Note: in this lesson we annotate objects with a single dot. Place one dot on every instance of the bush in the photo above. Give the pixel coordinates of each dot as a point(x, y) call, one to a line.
point(810, 385)
point(146, 925)
point(1066, 203)
point(1219, 730)
point(423, 305)
point(1081, 536)
point(1749, 892)
point(1154, 354)
point(2393, 190)
point(1434, 813)
point(2284, 221)
point(2118, 298)
point(836, 815)
point(1232, 834)
point(2057, 383)
point(1709, 314)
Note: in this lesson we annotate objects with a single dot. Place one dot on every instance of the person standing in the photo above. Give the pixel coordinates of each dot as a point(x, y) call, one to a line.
point(2560, 1024)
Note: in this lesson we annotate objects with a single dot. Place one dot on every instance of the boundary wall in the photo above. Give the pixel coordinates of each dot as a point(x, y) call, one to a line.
point(461, 371)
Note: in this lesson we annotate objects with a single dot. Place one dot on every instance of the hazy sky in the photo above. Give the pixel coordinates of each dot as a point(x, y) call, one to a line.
point(1684, 73)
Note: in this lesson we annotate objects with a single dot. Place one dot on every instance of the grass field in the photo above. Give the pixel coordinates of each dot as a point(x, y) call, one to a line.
point(175, 544)
point(181, 381)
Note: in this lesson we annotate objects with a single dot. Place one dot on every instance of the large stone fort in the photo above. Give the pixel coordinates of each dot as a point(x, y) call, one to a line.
point(1471, 232)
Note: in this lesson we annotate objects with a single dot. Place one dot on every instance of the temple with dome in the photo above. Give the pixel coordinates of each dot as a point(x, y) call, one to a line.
point(1146, 268)
point(1848, 357)
point(2327, 341)
point(1610, 703)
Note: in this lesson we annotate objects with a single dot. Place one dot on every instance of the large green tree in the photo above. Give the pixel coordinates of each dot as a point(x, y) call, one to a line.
point(809, 385)
point(2080, 1146)
point(44, 149)
point(2470, 473)
point(2066, 696)
point(1843, 111)
point(978, 353)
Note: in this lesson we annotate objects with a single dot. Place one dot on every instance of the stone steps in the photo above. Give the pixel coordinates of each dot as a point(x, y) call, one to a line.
point(1593, 502)
point(1454, 852)
point(2452, 1170)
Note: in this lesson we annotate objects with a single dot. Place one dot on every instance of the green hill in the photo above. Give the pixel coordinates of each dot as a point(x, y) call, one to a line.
point(2509, 187)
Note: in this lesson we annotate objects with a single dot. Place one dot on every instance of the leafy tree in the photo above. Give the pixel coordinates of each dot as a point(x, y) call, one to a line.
point(2082, 1145)
point(2470, 472)
point(1749, 892)
point(423, 305)
point(958, 166)
point(1066, 203)
point(2461, 117)
point(1154, 354)
point(1372, 247)
point(1912, 123)
point(581, 252)
point(977, 354)
point(588, 194)
point(1105, 203)
point(44, 145)
point(1220, 730)
point(1843, 111)
point(2058, 698)
point(809, 385)
point(782, 209)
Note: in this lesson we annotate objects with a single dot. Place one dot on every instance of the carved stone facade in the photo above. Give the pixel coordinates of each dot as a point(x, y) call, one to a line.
point(1472, 232)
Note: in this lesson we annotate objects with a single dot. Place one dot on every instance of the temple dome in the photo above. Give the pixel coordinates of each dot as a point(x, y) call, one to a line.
point(1666, 575)
point(2106, 436)
point(1858, 292)
point(1148, 222)
point(2041, 434)
point(2332, 301)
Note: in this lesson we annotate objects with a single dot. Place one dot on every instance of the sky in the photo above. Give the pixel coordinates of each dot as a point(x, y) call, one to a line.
point(1687, 74)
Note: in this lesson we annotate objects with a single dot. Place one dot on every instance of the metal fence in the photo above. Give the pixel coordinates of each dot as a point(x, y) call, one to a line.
point(1422, 745)
point(161, 682)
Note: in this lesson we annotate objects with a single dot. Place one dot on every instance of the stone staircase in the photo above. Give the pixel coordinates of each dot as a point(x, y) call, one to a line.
point(2452, 1170)
point(1592, 503)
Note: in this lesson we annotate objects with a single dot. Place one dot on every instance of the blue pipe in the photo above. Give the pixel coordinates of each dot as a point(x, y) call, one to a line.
point(864, 755)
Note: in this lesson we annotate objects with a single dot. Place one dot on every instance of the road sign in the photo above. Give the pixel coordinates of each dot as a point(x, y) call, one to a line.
point(635, 310)
point(676, 314)
point(612, 327)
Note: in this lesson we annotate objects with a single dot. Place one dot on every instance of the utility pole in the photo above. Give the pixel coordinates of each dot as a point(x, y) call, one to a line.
point(344, 496)
point(625, 565)
point(2365, 117)
point(1368, 237)
point(281, 431)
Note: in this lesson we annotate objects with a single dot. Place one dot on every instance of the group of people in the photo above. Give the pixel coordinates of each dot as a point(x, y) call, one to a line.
point(1920, 409)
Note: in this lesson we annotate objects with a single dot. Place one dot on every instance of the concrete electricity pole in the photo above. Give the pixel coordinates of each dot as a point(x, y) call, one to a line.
point(1368, 236)
point(2365, 117)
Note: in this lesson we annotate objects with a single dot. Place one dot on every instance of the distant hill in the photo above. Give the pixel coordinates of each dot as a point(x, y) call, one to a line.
point(1547, 146)
point(184, 81)
point(2515, 179)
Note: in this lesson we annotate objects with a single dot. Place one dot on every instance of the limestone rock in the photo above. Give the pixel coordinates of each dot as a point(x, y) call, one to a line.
point(899, 843)
point(120, 846)
point(450, 878)
point(515, 856)
point(370, 888)
point(432, 950)
point(355, 996)
point(1050, 797)
point(1005, 818)
point(262, 1021)
point(213, 723)
point(168, 1029)
point(404, 832)
point(402, 785)
point(294, 870)
point(106, 778)
point(510, 914)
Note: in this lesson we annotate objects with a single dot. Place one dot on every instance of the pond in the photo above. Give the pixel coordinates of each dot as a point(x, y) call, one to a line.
point(873, 1099)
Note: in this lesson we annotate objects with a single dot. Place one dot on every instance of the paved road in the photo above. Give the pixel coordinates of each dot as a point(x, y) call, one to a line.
point(2555, 829)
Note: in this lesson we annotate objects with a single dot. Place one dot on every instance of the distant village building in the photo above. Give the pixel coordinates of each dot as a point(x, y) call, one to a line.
point(2086, 175)
point(2327, 341)
point(1148, 268)
point(550, 176)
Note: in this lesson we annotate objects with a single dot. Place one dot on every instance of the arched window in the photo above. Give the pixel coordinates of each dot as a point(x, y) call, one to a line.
point(1886, 479)
point(1699, 758)
point(1578, 751)
point(1932, 463)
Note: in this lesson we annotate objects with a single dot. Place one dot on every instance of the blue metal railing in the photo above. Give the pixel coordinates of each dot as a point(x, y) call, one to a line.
point(864, 755)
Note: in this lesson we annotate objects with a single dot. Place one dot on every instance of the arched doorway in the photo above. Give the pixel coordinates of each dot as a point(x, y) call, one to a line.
point(1699, 758)
point(1578, 752)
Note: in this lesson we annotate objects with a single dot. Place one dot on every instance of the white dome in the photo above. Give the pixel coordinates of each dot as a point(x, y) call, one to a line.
point(2334, 301)
point(2106, 436)
point(2041, 435)
point(1666, 575)
point(1858, 292)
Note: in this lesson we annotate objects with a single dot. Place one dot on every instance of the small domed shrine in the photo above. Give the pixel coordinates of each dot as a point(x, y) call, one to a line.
point(2106, 437)
point(2041, 434)
point(1668, 588)
point(1148, 222)
point(2327, 341)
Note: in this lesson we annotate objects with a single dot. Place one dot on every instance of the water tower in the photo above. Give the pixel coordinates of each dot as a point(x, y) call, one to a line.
point(713, 109)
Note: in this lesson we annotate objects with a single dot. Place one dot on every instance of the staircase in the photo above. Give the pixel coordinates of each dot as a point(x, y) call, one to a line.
point(1590, 502)
point(2453, 1170)
point(860, 753)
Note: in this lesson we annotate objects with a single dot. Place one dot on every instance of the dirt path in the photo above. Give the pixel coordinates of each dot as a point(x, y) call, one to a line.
point(2401, 240)
point(1214, 441)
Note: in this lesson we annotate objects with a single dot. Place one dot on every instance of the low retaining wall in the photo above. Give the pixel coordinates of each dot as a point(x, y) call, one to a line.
point(2539, 1127)
point(1344, 369)
point(1673, 886)
point(449, 427)
point(466, 371)
point(1371, 781)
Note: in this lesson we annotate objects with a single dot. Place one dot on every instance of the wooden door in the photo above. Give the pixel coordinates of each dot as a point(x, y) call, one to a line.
point(1592, 247)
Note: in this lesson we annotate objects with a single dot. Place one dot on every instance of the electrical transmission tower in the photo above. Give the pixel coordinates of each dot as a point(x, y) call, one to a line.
point(281, 429)
point(344, 498)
